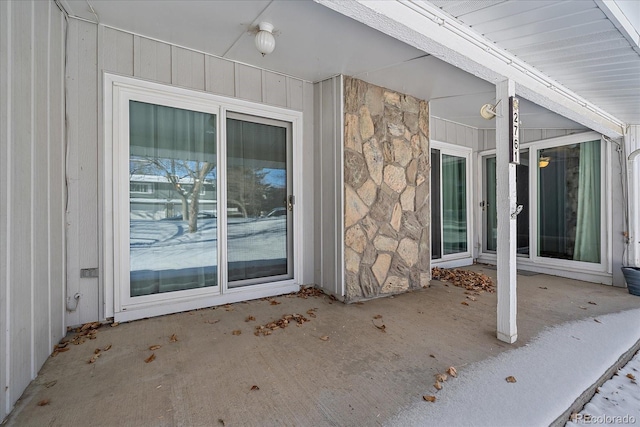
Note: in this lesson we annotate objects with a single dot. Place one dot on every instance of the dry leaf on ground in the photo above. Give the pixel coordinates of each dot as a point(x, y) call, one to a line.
point(51, 383)
point(378, 316)
point(592, 303)
point(470, 280)
point(464, 303)
point(543, 287)
point(249, 319)
point(274, 302)
point(255, 387)
point(114, 324)
point(311, 312)
point(154, 347)
point(472, 298)
point(441, 377)
point(452, 371)
point(150, 358)
point(44, 402)
point(596, 320)
point(173, 338)
point(631, 376)
point(106, 347)
point(236, 332)
point(382, 327)
point(280, 324)
point(94, 358)
point(438, 385)
point(511, 379)
point(429, 398)
point(324, 338)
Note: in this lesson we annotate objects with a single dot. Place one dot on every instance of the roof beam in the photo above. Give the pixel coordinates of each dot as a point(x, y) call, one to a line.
point(426, 27)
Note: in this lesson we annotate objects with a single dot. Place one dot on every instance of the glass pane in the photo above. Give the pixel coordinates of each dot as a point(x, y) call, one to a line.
point(454, 204)
point(172, 196)
point(569, 202)
point(522, 185)
point(257, 229)
point(436, 225)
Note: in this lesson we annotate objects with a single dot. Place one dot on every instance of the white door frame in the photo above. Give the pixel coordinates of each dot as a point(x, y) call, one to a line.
point(119, 89)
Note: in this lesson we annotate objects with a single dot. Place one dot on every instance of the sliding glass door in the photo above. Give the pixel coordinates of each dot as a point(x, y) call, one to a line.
point(563, 180)
point(450, 213)
point(259, 209)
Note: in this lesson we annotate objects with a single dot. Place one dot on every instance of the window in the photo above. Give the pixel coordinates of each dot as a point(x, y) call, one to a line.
point(560, 184)
point(142, 188)
point(569, 205)
point(450, 201)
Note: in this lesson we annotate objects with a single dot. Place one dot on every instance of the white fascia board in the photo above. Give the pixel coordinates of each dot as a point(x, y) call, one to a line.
point(424, 26)
point(620, 20)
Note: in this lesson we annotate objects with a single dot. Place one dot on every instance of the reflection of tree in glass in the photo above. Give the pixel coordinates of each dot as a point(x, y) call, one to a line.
point(249, 188)
point(186, 177)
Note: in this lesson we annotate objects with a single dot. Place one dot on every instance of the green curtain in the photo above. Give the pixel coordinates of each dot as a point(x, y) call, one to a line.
point(454, 204)
point(587, 246)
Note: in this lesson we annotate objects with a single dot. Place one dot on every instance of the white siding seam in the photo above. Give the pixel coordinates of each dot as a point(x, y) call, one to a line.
point(32, 190)
point(48, 174)
point(7, 366)
point(320, 182)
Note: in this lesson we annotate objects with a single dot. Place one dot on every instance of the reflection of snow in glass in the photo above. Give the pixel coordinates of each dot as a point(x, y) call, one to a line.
point(164, 245)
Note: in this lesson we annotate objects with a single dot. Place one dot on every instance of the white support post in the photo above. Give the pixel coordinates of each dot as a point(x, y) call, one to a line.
point(506, 205)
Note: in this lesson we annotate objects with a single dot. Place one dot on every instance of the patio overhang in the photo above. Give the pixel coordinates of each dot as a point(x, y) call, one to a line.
point(426, 27)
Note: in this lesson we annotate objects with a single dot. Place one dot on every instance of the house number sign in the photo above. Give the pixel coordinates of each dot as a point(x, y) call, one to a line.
point(514, 131)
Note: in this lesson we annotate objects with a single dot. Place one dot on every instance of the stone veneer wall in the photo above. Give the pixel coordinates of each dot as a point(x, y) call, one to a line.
point(386, 191)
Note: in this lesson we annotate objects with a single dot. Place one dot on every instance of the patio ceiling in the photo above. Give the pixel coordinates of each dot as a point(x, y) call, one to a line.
point(314, 42)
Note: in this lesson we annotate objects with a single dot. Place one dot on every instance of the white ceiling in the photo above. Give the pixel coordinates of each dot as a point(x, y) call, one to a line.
point(314, 43)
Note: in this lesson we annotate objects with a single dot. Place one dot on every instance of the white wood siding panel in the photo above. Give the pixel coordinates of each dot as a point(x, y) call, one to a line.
point(31, 35)
point(248, 83)
point(328, 189)
point(56, 182)
point(117, 52)
point(82, 178)
point(299, 92)
point(275, 89)
point(39, 189)
point(152, 60)
point(308, 186)
point(220, 75)
point(187, 68)
point(19, 201)
point(5, 273)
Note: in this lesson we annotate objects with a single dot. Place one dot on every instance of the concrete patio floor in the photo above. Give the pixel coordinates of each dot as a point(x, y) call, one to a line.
point(360, 375)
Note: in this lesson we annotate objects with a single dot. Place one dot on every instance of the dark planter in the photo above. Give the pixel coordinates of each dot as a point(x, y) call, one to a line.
point(632, 277)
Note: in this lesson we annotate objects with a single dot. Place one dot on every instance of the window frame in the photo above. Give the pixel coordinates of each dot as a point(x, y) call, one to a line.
point(461, 258)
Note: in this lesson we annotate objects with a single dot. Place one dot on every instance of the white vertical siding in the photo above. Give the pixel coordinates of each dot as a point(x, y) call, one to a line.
point(453, 133)
point(31, 193)
point(328, 194)
point(93, 49)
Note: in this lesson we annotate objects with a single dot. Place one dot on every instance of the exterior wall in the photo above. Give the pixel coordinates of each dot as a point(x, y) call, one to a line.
point(32, 191)
point(387, 211)
point(453, 133)
point(328, 155)
point(94, 49)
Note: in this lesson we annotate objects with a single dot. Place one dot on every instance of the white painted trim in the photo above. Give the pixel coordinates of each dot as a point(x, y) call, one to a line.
point(452, 263)
point(466, 153)
point(632, 144)
point(194, 304)
point(622, 23)
point(118, 90)
point(424, 26)
point(340, 214)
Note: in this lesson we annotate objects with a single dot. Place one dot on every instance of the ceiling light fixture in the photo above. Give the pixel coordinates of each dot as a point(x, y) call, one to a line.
point(265, 42)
